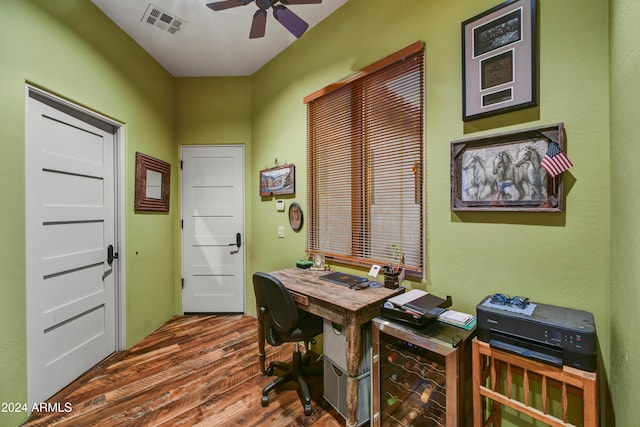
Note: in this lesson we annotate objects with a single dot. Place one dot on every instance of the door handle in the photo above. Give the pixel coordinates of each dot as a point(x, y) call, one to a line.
point(238, 243)
point(111, 255)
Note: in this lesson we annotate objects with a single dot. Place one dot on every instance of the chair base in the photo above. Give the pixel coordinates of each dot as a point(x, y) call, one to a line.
point(297, 370)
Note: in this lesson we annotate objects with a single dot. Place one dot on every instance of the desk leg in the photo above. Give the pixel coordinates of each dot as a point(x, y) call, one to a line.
point(353, 348)
point(261, 352)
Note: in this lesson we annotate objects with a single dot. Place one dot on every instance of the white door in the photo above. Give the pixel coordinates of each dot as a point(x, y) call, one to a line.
point(213, 224)
point(70, 223)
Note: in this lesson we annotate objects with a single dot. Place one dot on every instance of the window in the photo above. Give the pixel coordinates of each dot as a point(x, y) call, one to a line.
point(365, 150)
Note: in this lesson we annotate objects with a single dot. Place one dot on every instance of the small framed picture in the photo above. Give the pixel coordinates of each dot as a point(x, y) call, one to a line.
point(503, 172)
point(278, 180)
point(295, 216)
point(498, 60)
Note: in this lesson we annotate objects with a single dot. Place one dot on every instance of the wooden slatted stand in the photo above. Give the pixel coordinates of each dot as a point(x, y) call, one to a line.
point(503, 379)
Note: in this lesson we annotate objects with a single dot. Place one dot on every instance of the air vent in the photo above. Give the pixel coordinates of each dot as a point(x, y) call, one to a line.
point(161, 19)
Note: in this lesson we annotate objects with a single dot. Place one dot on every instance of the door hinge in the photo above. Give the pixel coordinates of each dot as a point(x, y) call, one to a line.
point(182, 282)
point(180, 164)
point(182, 223)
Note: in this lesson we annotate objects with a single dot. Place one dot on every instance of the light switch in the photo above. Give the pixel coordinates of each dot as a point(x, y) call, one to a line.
point(281, 231)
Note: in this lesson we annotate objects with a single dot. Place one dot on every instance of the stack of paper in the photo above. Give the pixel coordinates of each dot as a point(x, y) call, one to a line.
point(457, 318)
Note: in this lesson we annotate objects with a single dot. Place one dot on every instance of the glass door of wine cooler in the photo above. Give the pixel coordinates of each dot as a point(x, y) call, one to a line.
point(415, 375)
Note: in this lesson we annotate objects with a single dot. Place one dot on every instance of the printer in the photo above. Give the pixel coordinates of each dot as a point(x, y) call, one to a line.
point(549, 334)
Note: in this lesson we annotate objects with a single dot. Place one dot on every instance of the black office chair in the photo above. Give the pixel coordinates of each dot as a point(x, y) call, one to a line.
point(284, 323)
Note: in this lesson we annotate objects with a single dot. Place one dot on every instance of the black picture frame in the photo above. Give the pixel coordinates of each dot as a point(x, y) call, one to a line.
point(499, 60)
point(502, 172)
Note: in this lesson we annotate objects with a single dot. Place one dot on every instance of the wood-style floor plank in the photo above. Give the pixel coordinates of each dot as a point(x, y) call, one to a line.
point(192, 371)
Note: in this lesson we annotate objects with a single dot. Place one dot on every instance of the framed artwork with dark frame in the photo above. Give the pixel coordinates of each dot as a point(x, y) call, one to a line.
point(502, 172)
point(278, 180)
point(153, 178)
point(499, 60)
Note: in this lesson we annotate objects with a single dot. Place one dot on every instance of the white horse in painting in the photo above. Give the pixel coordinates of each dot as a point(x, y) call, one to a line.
point(481, 182)
point(510, 179)
point(535, 177)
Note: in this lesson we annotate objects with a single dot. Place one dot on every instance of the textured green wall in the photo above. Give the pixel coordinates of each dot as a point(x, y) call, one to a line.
point(214, 111)
point(554, 258)
point(70, 48)
point(625, 205)
point(561, 259)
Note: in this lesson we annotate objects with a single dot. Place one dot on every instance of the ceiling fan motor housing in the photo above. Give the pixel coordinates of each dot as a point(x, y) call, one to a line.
point(265, 4)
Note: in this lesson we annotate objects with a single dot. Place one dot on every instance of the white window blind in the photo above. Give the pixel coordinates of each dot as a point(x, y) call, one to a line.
point(365, 150)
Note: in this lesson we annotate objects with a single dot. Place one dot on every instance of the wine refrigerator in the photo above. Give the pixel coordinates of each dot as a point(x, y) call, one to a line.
point(421, 377)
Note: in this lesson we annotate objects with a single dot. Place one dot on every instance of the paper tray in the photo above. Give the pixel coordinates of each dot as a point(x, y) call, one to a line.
point(416, 319)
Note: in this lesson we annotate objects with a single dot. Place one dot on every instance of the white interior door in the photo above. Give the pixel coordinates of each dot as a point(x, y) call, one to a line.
point(70, 222)
point(213, 222)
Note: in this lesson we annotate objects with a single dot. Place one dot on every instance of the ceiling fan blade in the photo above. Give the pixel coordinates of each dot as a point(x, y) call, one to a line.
point(259, 24)
point(301, 1)
point(227, 4)
point(290, 20)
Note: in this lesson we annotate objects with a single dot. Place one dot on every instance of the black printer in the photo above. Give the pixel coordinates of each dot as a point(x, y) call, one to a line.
point(550, 334)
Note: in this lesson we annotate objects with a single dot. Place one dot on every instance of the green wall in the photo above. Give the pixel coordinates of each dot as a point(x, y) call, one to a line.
point(625, 205)
point(581, 258)
point(555, 258)
point(217, 111)
point(72, 49)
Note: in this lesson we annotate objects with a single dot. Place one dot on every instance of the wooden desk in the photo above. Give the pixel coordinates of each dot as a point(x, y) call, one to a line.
point(348, 307)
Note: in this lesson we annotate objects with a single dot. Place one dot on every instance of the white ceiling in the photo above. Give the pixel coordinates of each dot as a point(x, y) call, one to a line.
point(209, 43)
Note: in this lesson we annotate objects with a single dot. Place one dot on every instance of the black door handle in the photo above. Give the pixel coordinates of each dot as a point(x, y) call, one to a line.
point(237, 244)
point(111, 255)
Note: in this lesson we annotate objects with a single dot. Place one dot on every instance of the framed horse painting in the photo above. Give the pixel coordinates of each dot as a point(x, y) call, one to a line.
point(502, 172)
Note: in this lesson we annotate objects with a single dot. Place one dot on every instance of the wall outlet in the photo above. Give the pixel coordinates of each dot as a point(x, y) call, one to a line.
point(281, 231)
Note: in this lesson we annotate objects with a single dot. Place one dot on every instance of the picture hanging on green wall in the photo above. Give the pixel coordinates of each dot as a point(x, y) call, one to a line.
point(278, 180)
point(498, 60)
point(153, 179)
point(503, 172)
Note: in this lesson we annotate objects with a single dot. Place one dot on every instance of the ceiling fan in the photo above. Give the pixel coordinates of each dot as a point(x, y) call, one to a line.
point(285, 16)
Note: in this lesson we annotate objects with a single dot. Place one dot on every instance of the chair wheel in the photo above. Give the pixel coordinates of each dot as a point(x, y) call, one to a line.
point(269, 371)
point(265, 401)
point(307, 409)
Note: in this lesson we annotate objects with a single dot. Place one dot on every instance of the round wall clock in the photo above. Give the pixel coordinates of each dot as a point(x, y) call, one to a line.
point(295, 216)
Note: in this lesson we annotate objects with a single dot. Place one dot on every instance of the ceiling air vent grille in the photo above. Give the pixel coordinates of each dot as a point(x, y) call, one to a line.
point(161, 19)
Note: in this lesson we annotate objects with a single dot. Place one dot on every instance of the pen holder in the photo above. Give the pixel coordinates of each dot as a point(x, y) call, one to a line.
point(392, 280)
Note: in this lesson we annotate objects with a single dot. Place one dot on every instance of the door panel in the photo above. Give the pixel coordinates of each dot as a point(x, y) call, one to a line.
point(70, 221)
point(213, 212)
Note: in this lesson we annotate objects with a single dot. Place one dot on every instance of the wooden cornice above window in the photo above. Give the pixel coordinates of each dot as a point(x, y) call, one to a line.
point(370, 69)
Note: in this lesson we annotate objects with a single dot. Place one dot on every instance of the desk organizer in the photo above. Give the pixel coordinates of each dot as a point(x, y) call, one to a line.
point(392, 280)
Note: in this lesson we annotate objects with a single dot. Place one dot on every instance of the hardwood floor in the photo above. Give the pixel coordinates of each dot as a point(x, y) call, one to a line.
point(194, 370)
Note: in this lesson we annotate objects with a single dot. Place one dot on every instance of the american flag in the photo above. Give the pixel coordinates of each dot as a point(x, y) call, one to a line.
point(555, 161)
